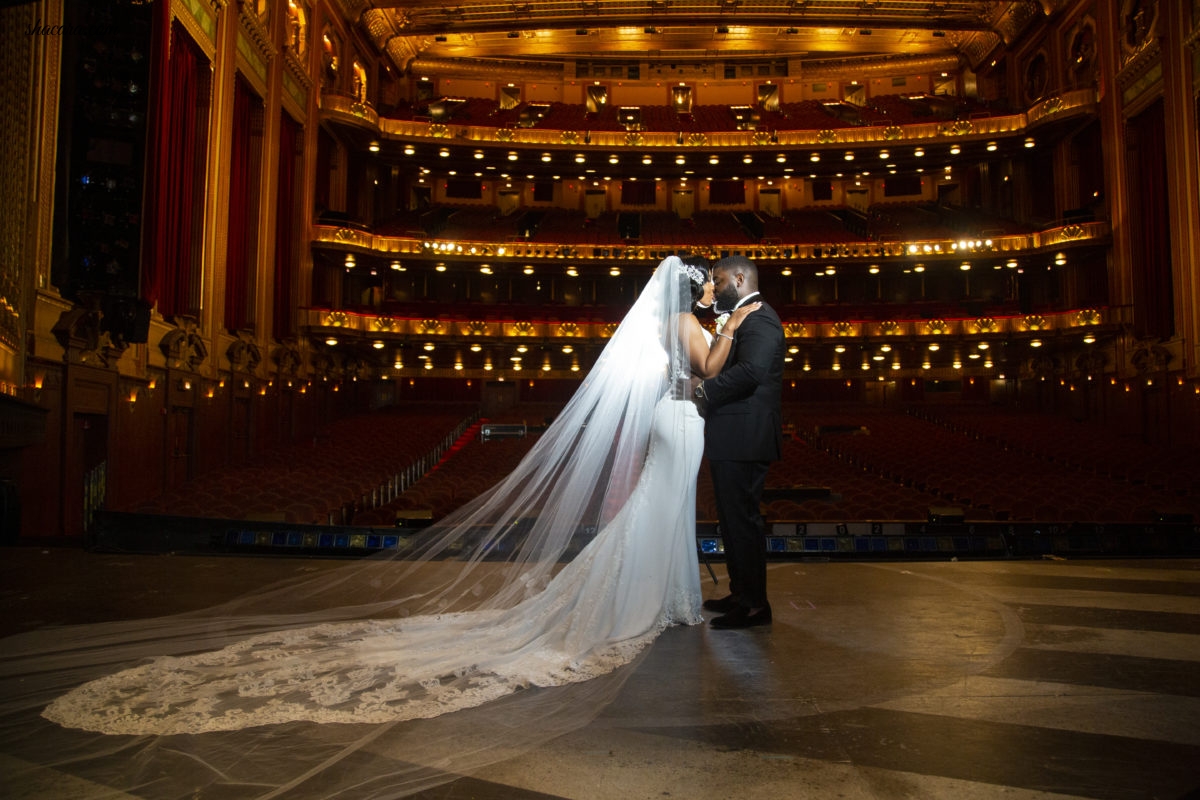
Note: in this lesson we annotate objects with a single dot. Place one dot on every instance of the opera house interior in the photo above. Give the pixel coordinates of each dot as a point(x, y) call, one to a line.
point(245, 233)
point(301, 277)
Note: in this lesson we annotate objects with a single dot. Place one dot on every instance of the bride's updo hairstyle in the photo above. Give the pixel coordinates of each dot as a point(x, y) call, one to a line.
point(694, 273)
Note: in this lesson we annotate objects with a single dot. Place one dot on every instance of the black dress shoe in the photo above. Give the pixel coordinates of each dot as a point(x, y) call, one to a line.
point(721, 605)
point(743, 618)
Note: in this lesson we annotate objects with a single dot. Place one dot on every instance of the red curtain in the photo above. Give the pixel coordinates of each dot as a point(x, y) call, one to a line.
point(637, 194)
point(727, 193)
point(238, 251)
point(285, 220)
point(1150, 230)
point(177, 166)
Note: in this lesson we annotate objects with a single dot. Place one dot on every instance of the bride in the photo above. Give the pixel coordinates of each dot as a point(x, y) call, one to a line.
point(480, 608)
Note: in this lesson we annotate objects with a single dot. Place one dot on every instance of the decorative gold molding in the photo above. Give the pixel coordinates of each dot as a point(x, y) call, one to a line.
point(1139, 63)
point(1015, 19)
point(1192, 40)
point(296, 69)
point(256, 33)
point(51, 63)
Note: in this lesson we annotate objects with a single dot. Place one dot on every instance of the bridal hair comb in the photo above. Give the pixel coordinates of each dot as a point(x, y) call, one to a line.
point(696, 274)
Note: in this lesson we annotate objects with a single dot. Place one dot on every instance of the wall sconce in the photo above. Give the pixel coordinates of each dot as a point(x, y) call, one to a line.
point(185, 384)
point(132, 398)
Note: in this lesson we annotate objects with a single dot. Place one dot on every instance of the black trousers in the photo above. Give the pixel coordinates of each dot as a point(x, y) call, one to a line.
point(739, 488)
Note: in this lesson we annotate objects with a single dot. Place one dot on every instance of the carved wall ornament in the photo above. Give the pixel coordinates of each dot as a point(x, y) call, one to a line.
point(504, 134)
point(1035, 322)
point(383, 323)
point(633, 138)
point(439, 130)
point(1150, 356)
point(429, 326)
point(608, 330)
point(826, 136)
point(1043, 365)
point(1081, 53)
point(523, 328)
point(937, 326)
point(1091, 361)
point(183, 346)
point(570, 137)
point(243, 353)
point(1072, 231)
point(795, 329)
point(697, 139)
point(890, 327)
point(287, 359)
point(337, 319)
point(1138, 24)
point(1087, 316)
point(477, 327)
point(79, 331)
point(893, 132)
point(842, 329)
point(568, 329)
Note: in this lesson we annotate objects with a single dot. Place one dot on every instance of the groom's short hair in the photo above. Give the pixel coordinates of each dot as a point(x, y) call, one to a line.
point(740, 264)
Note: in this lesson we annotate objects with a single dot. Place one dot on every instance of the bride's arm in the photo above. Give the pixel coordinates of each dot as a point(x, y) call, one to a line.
point(706, 361)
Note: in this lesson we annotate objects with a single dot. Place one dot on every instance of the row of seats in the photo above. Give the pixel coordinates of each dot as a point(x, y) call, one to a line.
point(356, 462)
point(868, 463)
point(798, 115)
point(988, 477)
point(835, 225)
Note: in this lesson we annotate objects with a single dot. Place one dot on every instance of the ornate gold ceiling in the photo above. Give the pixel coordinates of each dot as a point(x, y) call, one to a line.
point(812, 31)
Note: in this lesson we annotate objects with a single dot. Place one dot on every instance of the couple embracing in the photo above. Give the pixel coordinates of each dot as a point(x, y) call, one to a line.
point(561, 572)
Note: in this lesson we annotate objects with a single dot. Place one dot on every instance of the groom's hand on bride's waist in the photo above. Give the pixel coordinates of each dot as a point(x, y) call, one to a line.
point(698, 395)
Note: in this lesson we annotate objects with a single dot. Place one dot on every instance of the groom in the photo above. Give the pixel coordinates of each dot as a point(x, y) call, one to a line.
point(742, 436)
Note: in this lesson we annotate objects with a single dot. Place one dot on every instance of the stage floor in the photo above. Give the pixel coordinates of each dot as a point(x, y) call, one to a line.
point(948, 679)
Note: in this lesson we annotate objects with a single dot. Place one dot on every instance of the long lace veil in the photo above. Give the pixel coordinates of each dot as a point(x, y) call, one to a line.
point(491, 555)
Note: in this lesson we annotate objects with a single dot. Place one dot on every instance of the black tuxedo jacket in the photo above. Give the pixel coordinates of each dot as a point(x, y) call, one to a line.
point(744, 421)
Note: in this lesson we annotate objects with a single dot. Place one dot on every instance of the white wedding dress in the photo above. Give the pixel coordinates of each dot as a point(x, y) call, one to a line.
point(638, 575)
point(488, 603)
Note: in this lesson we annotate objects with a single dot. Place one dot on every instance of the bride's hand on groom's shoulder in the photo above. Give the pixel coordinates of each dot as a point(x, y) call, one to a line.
point(740, 314)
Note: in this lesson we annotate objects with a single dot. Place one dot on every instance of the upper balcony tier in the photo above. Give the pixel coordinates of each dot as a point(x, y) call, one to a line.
point(904, 231)
point(811, 123)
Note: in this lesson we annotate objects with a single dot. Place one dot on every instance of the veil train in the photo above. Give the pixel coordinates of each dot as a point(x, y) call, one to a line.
point(513, 613)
